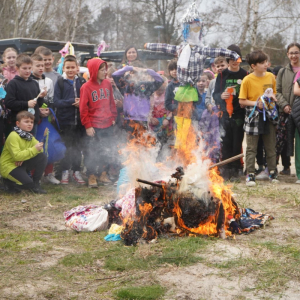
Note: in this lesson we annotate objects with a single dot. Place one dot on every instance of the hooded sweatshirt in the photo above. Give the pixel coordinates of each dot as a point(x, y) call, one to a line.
point(136, 103)
point(97, 106)
point(18, 92)
point(228, 79)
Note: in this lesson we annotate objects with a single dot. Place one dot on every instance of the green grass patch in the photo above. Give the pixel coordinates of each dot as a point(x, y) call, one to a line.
point(151, 292)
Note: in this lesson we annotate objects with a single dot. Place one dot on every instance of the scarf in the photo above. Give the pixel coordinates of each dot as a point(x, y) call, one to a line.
point(23, 134)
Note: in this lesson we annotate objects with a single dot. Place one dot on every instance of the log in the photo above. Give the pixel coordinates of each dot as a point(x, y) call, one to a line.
point(226, 161)
point(149, 182)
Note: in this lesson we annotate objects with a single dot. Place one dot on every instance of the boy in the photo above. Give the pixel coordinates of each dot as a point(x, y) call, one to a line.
point(46, 84)
point(252, 88)
point(226, 96)
point(66, 100)
point(220, 64)
point(22, 92)
point(200, 105)
point(21, 154)
point(98, 114)
point(48, 58)
point(170, 103)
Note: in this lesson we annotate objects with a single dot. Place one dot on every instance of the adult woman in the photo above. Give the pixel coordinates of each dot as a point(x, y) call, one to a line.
point(285, 97)
point(130, 55)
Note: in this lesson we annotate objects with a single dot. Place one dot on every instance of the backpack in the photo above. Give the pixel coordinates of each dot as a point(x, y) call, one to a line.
point(54, 147)
point(60, 82)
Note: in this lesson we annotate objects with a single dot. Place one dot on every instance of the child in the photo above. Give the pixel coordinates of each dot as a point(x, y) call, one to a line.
point(252, 88)
point(46, 84)
point(48, 58)
point(220, 64)
point(21, 154)
point(159, 117)
point(98, 114)
point(200, 105)
point(170, 103)
point(22, 92)
point(66, 100)
point(226, 95)
point(136, 93)
point(9, 68)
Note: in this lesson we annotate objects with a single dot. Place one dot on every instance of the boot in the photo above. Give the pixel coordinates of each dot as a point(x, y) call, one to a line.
point(103, 179)
point(11, 187)
point(37, 189)
point(92, 181)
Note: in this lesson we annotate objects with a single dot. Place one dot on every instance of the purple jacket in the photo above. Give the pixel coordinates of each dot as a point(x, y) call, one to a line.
point(136, 104)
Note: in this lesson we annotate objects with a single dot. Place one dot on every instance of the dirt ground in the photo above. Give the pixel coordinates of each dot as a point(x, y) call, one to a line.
point(261, 265)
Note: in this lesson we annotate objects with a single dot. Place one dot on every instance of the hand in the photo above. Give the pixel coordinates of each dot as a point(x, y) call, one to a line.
point(32, 103)
point(113, 122)
point(90, 131)
point(44, 92)
point(165, 123)
point(209, 107)
point(242, 106)
point(18, 163)
point(154, 121)
point(287, 109)
point(39, 146)
point(76, 103)
point(119, 103)
point(225, 95)
point(44, 112)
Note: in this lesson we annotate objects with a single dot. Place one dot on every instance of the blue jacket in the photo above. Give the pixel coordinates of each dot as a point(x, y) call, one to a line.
point(200, 106)
point(67, 114)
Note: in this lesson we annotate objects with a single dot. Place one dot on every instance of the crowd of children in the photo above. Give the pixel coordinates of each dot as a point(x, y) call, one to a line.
point(94, 116)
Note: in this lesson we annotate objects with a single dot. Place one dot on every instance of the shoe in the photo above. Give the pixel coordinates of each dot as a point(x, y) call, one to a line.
point(263, 175)
point(273, 177)
point(104, 179)
point(285, 172)
point(51, 179)
point(298, 181)
point(65, 177)
point(259, 170)
point(38, 190)
point(92, 181)
point(11, 187)
point(250, 180)
point(77, 177)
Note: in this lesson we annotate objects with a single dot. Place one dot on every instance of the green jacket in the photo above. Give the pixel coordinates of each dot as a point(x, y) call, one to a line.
point(285, 87)
point(16, 149)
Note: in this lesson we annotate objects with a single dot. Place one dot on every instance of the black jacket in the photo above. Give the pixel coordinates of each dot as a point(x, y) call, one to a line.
point(19, 92)
point(228, 79)
point(170, 103)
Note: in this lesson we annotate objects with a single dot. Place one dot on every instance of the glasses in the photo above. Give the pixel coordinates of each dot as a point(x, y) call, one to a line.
point(293, 53)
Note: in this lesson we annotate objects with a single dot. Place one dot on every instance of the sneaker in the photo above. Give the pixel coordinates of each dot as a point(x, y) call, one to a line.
point(77, 177)
point(92, 181)
point(298, 181)
point(250, 180)
point(65, 177)
point(103, 179)
point(51, 179)
point(273, 177)
point(285, 172)
point(263, 175)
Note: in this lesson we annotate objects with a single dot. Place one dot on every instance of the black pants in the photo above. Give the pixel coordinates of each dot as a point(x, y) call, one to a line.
point(232, 141)
point(72, 136)
point(37, 163)
point(101, 150)
point(261, 153)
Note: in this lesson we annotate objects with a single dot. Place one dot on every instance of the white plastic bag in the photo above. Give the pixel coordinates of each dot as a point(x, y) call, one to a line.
point(87, 218)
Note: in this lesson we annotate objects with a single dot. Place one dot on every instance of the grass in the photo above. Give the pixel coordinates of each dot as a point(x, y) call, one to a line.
point(140, 293)
point(96, 269)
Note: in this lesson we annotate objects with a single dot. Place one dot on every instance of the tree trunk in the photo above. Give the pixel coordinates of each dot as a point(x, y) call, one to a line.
point(255, 24)
point(76, 20)
point(246, 25)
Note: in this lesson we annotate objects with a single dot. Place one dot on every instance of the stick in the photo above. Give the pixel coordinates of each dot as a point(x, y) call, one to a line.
point(149, 182)
point(226, 161)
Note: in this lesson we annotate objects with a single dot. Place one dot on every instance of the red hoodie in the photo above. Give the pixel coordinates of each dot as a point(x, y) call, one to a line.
point(97, 106)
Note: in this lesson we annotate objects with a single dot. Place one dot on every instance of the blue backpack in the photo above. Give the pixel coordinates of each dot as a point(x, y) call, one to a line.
point(54, 147)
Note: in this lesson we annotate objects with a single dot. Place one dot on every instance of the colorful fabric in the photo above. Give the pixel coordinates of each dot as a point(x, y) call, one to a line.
point(87, 218)
point(115, 229)
point(192, 73)
point(281, 134)
point(127, 204)
point(113, 237)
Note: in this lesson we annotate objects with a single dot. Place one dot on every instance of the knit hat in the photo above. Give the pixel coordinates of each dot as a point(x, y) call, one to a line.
point(236, 49)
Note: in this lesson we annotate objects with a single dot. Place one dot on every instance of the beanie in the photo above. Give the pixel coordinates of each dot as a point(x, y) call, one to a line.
point(236, 49)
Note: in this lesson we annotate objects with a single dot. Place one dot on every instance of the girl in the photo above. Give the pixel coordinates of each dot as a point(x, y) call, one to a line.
point(9, 67)
point(130, 55)
point(285, 97)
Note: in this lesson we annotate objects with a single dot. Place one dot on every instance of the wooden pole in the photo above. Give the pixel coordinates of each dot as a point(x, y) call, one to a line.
point(149, 182)
point(226, 161)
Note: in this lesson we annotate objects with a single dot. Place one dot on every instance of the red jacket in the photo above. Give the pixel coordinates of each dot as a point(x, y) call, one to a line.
point(97, 106)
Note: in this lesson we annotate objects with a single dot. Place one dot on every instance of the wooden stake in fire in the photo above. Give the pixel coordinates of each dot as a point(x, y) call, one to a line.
point(226, 161)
